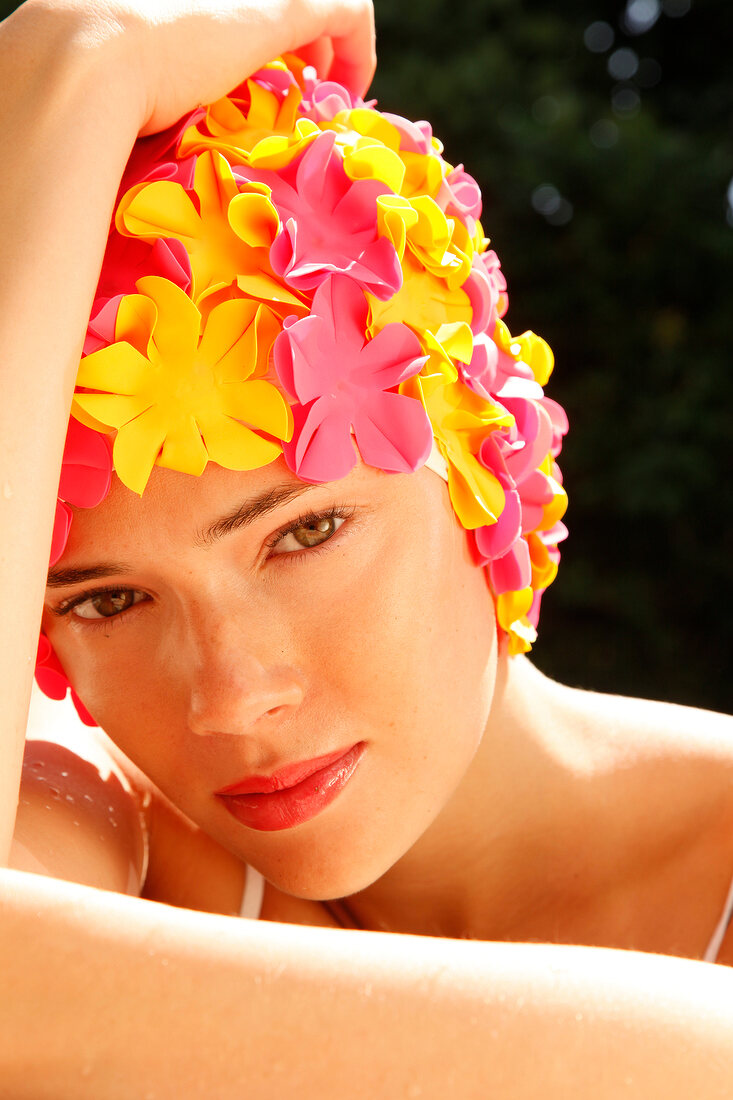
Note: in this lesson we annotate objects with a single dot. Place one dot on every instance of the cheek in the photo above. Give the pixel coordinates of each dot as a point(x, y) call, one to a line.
point(419, 645)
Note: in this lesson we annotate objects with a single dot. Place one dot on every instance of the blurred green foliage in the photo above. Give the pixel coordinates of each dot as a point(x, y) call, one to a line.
point(626, 274)
point(630, 289)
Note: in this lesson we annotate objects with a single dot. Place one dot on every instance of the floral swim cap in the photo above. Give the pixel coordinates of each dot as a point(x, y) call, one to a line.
point(291, 271)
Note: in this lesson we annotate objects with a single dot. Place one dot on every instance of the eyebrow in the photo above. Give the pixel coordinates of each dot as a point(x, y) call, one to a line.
point(252, 509)
point(246, 513)
point(59, 578)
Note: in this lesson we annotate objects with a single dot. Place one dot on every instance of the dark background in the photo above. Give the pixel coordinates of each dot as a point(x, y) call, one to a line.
point(606, 197)
point(606, 180)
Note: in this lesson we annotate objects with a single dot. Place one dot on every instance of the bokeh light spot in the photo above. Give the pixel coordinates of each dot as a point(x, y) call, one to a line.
point(641, 15)
point(598, 37)
point(603, 133)
point(623, 63)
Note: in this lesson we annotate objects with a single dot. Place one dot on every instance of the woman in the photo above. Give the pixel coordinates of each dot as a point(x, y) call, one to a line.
point(487, 803)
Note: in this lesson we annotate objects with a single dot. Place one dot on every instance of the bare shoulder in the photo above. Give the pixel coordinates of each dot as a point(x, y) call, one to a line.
point(657, 782)
point(79, 818)
point(628, 731)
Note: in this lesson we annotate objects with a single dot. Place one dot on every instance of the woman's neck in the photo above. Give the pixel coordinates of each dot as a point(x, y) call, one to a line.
point(481, 868)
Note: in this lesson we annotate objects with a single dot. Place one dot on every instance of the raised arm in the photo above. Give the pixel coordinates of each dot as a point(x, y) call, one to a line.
point(80, 80)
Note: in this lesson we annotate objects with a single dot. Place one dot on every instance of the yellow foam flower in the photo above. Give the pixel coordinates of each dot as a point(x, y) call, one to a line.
point(441, 245)
point(511, 614)
point(530, 348)
point(424, 302)
point(544, 569)
point(460, 420)
point(188, 396)
point(258, 129)
point(227, 233)
point(371, 148)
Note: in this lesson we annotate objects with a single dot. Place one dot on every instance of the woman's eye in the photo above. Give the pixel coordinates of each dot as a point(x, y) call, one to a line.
point(308, 534)
point(105, 605)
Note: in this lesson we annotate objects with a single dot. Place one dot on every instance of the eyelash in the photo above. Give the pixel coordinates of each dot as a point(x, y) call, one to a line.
point(307, 519)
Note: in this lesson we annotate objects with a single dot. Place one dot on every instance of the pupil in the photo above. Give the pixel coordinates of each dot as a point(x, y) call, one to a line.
point(113, 602)
point(312, 533)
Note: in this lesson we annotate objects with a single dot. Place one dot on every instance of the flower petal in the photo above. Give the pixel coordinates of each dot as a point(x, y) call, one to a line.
point(393, 433)
point(137, 446)
point(236, 447)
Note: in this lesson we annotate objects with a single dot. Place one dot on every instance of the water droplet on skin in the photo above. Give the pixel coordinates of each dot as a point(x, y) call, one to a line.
point(76, 822)
point(111, 809)
point(65, 774)
point(70, 798)
point(113, 824)
point(88, 798)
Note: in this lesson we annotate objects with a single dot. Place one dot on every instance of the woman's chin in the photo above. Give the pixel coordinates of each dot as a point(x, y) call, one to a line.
point(320, 883)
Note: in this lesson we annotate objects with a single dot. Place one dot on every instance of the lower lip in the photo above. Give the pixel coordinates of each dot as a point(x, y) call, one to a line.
point(286, 808)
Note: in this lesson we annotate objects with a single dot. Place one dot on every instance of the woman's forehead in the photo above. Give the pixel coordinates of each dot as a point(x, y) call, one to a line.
point(201, 508)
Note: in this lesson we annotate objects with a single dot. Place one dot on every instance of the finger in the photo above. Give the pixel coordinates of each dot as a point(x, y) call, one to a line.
point(355, 54)
point(319, 54)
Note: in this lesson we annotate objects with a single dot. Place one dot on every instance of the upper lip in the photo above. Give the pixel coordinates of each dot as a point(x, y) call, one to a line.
point(288, 776)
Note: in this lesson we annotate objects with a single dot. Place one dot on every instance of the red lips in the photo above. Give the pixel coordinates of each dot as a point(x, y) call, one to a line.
point(292, 795)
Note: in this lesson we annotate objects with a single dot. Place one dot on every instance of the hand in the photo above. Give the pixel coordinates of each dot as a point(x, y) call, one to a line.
point(175, 54)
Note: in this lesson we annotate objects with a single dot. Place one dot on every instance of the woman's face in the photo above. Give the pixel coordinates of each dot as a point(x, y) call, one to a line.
point(251, 623)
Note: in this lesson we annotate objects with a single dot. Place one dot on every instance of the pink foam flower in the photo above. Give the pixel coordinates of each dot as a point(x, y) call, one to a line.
point(323, 99)
point(154, 156)
point(513, 455)
point(460, 196)
point(560, 425)
point(128, 259)
point(512, 571)
point(86, 474)
point(492, 266)
point(345, 382)
point(273, 78)
point(415, 137)
point(493, 373)
point(329, 224)
point(52, 679)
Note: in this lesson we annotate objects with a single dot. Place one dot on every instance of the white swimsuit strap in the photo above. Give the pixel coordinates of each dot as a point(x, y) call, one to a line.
point(254, 889)
point(720, 929)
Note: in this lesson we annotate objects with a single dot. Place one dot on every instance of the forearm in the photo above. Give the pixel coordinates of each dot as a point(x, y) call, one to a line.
point(80, 79)
point(110, 997)
point(64, 149)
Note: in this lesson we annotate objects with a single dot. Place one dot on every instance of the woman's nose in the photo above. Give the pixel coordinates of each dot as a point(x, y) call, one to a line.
point(233, 687)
